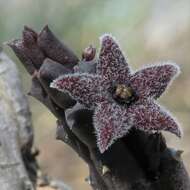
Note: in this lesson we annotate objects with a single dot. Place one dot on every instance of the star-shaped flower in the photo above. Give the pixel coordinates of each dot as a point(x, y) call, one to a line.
point(121, 99)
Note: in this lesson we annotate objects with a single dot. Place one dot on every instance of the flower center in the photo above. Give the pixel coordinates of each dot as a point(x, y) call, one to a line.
point(124, 94)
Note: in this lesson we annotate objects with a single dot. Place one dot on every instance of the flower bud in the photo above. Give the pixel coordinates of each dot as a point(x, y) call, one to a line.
point(89, 53)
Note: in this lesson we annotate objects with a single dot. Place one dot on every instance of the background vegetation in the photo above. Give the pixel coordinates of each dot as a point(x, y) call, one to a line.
point(148, 31)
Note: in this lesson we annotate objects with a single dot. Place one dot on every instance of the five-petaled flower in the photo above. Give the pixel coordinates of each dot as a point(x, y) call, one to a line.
point(121, 99)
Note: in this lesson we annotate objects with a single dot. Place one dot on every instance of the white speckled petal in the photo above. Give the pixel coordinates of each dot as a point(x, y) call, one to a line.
point(111, 123)
point(152, 81)
point(86, 88)
point(112, 64)
point(149, 116)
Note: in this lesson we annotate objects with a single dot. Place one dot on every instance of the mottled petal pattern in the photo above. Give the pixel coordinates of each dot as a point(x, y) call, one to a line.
point(111, 123)
point(152, 81)
point(112, 64)
point(86, 88)
point(149, 116)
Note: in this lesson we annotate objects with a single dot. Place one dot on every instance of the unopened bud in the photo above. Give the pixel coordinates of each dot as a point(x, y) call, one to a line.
point(89, 53)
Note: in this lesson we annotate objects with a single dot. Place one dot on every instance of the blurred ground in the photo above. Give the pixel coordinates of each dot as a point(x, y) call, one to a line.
point(148, 30)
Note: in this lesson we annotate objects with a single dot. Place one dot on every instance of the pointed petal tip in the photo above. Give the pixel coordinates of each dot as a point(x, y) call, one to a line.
point(102, 145)
point(176, 129)
point(106, 37)
point(179, 132)
point(101, 148)
point(104, 140)
point(112, 62)
point(176, 68)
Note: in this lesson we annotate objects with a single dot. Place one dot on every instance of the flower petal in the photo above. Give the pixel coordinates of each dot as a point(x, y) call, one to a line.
point(152, 81)
point(148, 116)
point(112, 64)
point(110, 122)
point(86, 88)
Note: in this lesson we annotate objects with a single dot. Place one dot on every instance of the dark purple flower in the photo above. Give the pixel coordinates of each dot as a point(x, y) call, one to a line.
point(121, 98)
